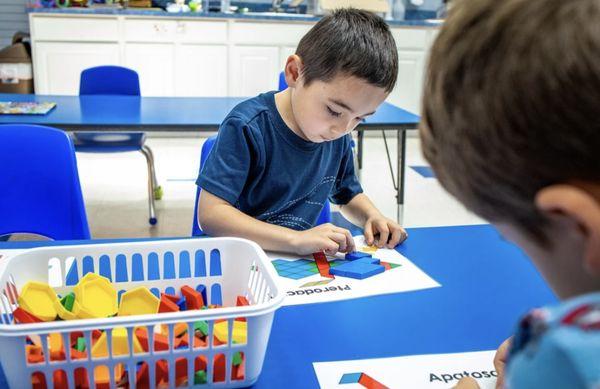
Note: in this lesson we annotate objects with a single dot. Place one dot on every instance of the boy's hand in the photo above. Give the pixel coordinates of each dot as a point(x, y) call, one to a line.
point(325, 238)
point(499, 363)
point(383, 232)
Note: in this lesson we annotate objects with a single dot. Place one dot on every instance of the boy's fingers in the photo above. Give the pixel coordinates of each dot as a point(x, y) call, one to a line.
point(368, 233)
point(340, 239)
point(396, 238)
point(467, 383)
point(384, 234)
point(350, 247)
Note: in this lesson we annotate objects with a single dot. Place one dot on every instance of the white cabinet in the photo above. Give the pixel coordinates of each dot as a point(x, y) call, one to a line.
point(154, 63)
point(407, 92)
point(254, 69)
point(179, 56)
point(58, 65)
point(201, 70)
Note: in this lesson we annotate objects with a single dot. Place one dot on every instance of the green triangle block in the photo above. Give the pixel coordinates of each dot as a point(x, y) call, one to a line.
point(237, 359)
point(200, 377)
point(201, 326)
point(80, 346)
point(68, 301)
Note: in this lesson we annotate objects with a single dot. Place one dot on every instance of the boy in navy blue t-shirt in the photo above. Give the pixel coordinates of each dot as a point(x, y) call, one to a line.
point(511, 127)
point(280, 156)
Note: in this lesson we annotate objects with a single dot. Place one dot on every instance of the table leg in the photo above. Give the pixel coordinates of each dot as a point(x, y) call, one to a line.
point(401, 162)
point(360, 149)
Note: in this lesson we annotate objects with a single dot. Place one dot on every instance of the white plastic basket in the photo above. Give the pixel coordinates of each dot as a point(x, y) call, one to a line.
point(236, 267)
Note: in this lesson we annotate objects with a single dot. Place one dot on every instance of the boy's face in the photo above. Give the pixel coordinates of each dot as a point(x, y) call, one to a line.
point(325, 111)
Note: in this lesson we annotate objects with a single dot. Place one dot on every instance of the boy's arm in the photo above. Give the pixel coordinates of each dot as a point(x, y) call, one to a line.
point(217, 217)
point(379, 229)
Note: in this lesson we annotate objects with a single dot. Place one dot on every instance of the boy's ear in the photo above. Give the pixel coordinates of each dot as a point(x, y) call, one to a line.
point(293, 68)
point(583, 208)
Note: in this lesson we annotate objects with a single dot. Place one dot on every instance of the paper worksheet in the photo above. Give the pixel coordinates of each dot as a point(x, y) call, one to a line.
point(304, 284)
point(412, 372)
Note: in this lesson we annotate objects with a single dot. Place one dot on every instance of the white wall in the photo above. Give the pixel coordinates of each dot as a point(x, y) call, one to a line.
point(12, 19)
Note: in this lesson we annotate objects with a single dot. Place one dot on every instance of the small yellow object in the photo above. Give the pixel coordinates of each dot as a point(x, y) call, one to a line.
point(240, 331)
point(90, 277)
point(369, 249)
point(39, 299)
point(63, 313)
point(56, 342)
point(95, 297)
point(138, 301)
point(120, 346)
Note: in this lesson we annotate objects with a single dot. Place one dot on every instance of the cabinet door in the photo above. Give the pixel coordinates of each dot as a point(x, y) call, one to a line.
point(254, 70)
point(154, 64)
point(407, 93)
point(58, 66)
point(201, 70)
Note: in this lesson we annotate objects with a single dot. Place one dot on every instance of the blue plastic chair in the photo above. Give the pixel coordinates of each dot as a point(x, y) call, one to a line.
point(40, 192)
point(117, 80)
point(282, 84)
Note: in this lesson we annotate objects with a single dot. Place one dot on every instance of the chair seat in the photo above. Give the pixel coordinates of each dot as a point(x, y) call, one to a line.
point(108, 142)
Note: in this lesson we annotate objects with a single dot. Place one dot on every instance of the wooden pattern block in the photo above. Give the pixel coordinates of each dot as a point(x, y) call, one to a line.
point(193, 299)
point(323, 265)
point(359, 269)
point(357, 255)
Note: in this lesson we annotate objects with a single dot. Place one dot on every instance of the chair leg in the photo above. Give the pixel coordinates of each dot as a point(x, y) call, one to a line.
point(151, 183)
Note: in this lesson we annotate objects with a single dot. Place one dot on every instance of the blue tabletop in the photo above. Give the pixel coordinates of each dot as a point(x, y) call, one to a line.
point(160, 113)
point(487, 284)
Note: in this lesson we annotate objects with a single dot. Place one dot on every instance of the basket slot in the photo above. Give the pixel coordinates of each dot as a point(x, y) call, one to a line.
point(153, 267)
point(215, 263)
point(87, 265)
point(216, 297)
point(184, 266)
point(7, 316)
point(169, 266)
point(104, 267)
point(54, 272)
point(121, 268)
point(137, 269)
point(199, 264)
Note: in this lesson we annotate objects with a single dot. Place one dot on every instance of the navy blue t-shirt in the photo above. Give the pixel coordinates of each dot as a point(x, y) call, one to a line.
point(260, 166)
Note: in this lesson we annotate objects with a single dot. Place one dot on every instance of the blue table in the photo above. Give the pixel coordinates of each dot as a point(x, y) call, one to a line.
point(127, 113)
point(486, 285)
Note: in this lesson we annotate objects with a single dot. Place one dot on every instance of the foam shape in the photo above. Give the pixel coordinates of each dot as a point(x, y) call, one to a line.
point(201, 326)
point(55, 346)
point(34, 354)
point(359, 269)
point(63, 313)
point(356, 255)
point(241, 301)
point(96, 298)
point(369, 249)
point(138, 301)
point(240, 331)
point(161, 342)
point(167, 305)
point(171, 297)
point(120, 345)
point(23, 317)
point(67, 301)
point(193, 299)
point(38, 298)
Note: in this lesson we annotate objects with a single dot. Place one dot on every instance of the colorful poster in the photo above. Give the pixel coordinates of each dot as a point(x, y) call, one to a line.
point(25, 108)
point(418, 371)
point(307, 280)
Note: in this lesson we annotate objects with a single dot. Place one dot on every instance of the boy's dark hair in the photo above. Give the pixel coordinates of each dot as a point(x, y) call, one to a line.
point(512, 104)
point(351, 42)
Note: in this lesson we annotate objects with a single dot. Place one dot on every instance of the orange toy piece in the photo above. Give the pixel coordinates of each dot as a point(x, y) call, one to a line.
point(162, 372)
point(167, 305)
point(237, 373)
point(76, 354)
point(38, 381)
point(181, 368)
point(241, 301)
point(34, 354)
point(161, 342)
point(57, 351)
point(193, 299)
point(198, 343)
point(219, 366)
point(81, 378)
point(23, 317)
point(174, 299)
point(60, 379)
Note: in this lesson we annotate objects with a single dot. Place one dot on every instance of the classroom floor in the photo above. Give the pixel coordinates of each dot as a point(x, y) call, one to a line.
point(115, 189)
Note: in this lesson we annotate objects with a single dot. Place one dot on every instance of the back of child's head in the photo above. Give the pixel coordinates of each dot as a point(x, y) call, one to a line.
point(350, 42)
point(512, 104)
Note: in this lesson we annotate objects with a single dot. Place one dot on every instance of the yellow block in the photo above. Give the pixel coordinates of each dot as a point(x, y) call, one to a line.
point(120, 345)
point(138, 301)
point(56, 342)
point(39, 299)
point(95, 297)
point(221, 331)
point(369, 249)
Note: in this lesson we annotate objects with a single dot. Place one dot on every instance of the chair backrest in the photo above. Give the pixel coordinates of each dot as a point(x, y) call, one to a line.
point(282, 84)
point(40, 192)
point(324, 217)
point(109, 80)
